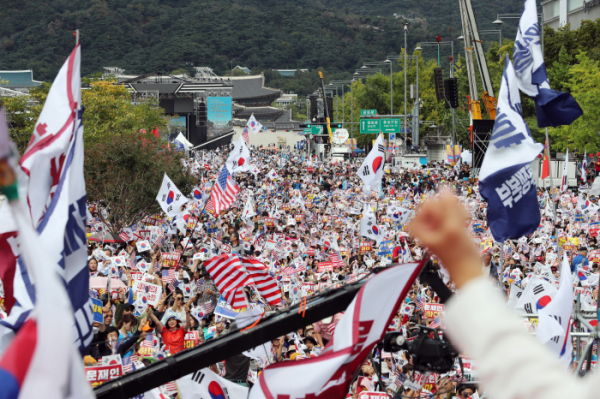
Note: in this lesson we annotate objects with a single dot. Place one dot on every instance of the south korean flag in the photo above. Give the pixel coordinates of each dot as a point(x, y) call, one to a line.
point(170, 198)
point(371, 170)
point(506, 180)
point(239, 158)
point(398, 214)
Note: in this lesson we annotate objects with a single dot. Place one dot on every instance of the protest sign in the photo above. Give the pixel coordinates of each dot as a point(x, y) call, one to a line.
point(170, 259)
point(100, 374)
point(191, 222)
point(191, 339)
point(148, 293)
point(325, 266)
point(270, 222)
point(432, 310)
point(299, 217)
point(365, 247)
point(97, 310)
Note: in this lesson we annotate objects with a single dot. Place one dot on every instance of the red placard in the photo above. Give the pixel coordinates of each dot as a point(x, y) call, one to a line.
point(100, 374)
point(299, 217)
point(310, 251)
point(270, 222)
point(310, 169)
point(366, 247)
point(191, 339)
point(170, 259)
point(325, 266)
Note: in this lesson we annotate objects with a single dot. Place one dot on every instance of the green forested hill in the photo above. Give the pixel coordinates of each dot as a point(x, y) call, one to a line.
point(167, 35)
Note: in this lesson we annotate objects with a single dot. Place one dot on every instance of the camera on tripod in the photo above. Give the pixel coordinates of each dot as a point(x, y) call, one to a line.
point(429, 354)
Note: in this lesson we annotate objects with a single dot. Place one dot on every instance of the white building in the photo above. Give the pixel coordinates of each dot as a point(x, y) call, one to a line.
point(558, 13)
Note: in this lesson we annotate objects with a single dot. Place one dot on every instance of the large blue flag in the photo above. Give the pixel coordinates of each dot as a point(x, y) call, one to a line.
point(552, 108)
point(506, 180)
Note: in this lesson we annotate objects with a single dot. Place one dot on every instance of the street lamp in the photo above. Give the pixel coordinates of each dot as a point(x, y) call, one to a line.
point(343, 83)
point(451, 43)
point(499, 31)
point(387, 61)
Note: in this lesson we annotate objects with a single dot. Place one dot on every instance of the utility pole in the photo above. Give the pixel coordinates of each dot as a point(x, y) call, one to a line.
point(405, 67)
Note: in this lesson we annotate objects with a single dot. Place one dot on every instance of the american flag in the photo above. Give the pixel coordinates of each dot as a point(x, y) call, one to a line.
point(419, 304)
point(458, 378)
point(336, 259)
point(148, 341)
point(259, 240)
point(224, 191)
point(168, 276)
point(208, 307)
point(350, 278)
point(229, 277)
point(292, 270)
point(209, 205)
point(436, 323)
point(127, 366)
point(331, 328)
point(245, 134)
point(173, 284)
point(265, 284)
point(171, 387)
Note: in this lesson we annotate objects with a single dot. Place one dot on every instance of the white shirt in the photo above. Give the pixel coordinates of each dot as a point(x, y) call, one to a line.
point(512, 363)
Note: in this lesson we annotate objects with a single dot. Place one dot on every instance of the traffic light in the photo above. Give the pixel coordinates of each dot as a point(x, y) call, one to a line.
point(305, 125)
point(451, 91)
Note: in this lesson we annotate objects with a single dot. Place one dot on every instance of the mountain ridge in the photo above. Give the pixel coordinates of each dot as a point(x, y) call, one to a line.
point(167, 35)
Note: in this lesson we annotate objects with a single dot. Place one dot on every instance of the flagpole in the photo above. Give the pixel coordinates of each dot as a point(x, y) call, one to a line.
point(196, 224)
point(555, 216)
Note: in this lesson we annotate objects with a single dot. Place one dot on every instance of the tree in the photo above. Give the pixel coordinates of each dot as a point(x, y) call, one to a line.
point(583, 133)
point(124, 173)
point(559, 73)
point(23, 112)
point(109, 111)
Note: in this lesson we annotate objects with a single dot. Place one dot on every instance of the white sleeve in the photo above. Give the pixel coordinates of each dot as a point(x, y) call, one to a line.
point(511, 363)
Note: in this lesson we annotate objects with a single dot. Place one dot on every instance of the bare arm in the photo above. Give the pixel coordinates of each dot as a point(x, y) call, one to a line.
point(159, 325)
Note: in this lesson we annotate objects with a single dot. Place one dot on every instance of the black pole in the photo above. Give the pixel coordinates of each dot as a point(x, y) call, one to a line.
point(213, 351)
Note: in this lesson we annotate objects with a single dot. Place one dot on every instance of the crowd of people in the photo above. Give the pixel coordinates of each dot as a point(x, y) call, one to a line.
point(305, 227)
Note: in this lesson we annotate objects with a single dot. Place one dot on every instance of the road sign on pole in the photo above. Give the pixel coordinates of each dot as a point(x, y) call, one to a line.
point(390, 125)
point(317, 129)
point(369, 126)
point(368, 112)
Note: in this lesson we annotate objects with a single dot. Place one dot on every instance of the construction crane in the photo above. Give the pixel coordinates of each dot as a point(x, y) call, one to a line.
point(473, 42)
point(327, 118)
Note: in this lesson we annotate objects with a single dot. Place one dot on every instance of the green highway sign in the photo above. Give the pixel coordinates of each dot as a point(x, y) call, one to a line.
point(390, 125)
point(369, 126)
point(368, 112)
point(317, 129)
point(307, 130)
